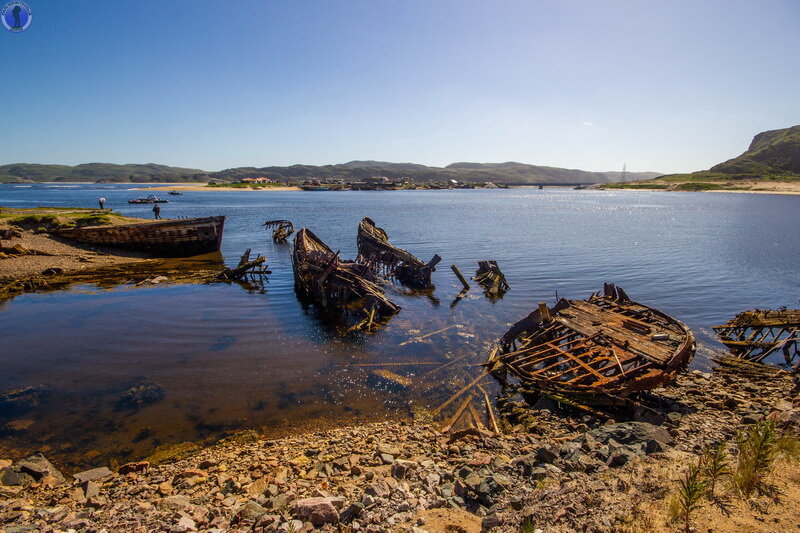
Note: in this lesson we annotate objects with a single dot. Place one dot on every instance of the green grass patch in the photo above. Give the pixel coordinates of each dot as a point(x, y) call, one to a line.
point(698, 186)
point(634, 186)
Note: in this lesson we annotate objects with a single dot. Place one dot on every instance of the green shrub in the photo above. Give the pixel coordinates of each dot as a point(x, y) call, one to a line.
point(757, 448)
point(686, 500)
point(715, 466)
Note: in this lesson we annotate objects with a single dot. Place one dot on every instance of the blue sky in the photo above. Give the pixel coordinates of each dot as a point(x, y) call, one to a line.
point(667, 86)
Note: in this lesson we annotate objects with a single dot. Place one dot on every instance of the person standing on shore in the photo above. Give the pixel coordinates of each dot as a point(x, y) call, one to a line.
point(102, 202)
point(157, 211)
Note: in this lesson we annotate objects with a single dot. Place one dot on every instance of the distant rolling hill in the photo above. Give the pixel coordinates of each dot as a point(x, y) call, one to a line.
point(25, 172)
point(511, 173)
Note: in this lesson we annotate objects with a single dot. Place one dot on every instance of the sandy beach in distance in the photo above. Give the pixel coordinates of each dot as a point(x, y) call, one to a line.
point(202, 187)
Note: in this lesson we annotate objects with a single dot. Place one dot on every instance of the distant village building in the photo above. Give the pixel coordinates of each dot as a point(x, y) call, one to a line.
point(256, 180)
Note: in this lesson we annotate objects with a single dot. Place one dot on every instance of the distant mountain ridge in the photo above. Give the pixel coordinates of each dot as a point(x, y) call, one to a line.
point(509, 172)
point(28, 172)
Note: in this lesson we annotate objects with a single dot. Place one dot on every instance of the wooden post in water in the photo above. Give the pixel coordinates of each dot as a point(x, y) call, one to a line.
point(544, 311)
point(460, 277)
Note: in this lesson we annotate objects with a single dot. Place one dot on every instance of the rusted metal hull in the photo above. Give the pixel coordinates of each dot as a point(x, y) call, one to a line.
point(598, 351)
point(374, 250)
point(757, 334)
point(167, 238)
point(333, 282)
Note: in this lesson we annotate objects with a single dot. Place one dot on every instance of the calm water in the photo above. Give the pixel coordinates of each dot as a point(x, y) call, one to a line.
point(227, 358)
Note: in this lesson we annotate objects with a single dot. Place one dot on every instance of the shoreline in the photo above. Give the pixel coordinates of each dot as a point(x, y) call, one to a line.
point(554, 469)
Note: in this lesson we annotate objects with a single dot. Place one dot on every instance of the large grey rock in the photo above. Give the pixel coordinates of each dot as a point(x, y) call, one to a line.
point(653, 437)
point(30, 470)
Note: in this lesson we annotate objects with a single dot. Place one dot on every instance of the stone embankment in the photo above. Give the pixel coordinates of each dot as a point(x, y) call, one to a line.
point(553, 472)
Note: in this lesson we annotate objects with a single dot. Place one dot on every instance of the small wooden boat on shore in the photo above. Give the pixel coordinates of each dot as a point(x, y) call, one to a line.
point(168, 238)
point(597, 351)
point(756, 334)
point(374, 249)
point(320, 274)
point(151, 199)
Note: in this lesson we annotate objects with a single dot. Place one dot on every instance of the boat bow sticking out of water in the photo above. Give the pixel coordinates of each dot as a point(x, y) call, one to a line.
point(320, 274)
point(598, 351)
point(375, 250)
point(169, 238)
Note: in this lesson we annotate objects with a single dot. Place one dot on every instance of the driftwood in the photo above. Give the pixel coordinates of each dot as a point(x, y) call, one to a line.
point(491, 279)
point(453, 419)
point(281, 229)
point(321, 275)
point(374, 250)
point(755, 335)
point(244, 268)
point(461, 278)
point(597, 351)
point(421, 337)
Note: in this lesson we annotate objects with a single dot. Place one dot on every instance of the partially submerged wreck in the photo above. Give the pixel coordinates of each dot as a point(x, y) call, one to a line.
point(320, 274)
point(281, 229)
point(374, 250)
point(756, 334)
point(169, 238)
point(491, 279)
point(597, 351)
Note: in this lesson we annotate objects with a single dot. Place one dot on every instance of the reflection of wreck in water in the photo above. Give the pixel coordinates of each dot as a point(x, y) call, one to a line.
point(597, 351)
point(755, 335)
point(332, 282)
point(374, 249)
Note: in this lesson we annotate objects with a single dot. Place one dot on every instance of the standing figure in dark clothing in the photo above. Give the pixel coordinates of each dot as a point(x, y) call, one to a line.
point(15, 12)
point(102, 202)
point(157, 211)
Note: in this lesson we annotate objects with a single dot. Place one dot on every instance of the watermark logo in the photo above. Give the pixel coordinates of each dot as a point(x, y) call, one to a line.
point(16, 16)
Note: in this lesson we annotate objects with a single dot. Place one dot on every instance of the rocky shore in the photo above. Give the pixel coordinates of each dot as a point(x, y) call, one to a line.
point(552, 470)
point(28, 250)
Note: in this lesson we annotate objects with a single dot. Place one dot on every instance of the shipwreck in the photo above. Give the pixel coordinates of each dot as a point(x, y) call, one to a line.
point(324, 277)
point(374, 250)
point(281, 229)
point(597, 351)
point(169, 238)
point(756, 334)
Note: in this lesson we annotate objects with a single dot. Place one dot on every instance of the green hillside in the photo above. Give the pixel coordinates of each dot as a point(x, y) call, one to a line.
point(106, 172)
point(772, 155)
point(512, 173)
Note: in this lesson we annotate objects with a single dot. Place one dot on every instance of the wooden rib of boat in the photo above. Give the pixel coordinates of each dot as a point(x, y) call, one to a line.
point(756, 334)
point(281, 229)
point(169, 238)
point(375, 250)
point(320, 274)
point(598, 351)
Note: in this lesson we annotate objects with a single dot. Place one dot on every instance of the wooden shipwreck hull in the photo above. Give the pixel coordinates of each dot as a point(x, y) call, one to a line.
point(168, 238)
point(598, 351)
point(281, 229)
point(320, 274)
point(756, 334)
point(374, 250)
